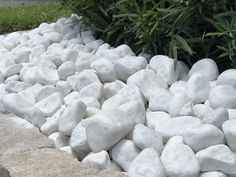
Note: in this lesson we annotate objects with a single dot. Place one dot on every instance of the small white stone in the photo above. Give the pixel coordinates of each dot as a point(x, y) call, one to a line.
point(101, 160)
point(124, 152)
point(66, 149)
point(91, 102)
point(114, 102)
point(12, 78)
point(124, 50)
point(212, 174)
point(71, 116)
point(37, 51)
point(59, 139)
point(69, 55)
point(16, 86)
point(111, 88)
point(11, 40)
point(53, 37)
point(227, 78)
point(230, 133)
point(66, 69)
point(147, 164)
point(71, 97)
point(44, 92)
point(178, 87)
point(155, 118)
point(91, 111)
point(12, 70)
point(63, 87)
point(232, 113)
point(35, 116)
point(92, 90)
point(200, 110)
point(206, 67)
point(84, 61)
point(94, 44)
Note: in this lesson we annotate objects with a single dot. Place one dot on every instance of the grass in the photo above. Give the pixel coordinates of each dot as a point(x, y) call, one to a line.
point(30, 16)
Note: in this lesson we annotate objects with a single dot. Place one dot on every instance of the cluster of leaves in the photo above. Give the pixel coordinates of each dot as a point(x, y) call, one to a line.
point(187, 30)
point(30, 16)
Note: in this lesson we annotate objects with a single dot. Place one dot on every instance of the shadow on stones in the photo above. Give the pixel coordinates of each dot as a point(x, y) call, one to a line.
point(4, 172)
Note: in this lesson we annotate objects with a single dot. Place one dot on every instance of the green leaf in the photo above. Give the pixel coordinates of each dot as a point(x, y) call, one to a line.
point(184, 44)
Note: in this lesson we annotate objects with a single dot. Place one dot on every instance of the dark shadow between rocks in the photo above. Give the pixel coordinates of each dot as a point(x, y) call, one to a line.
point(4, 172)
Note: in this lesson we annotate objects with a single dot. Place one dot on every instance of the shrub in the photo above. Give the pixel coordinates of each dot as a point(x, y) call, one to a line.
point(183, 29)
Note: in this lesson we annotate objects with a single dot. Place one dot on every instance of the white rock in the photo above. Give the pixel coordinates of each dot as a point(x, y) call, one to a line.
point(178, 159)
point(45, 28)
point(91, 111)
point(213, 174)
point(71, 97)
point(155, 118)
point(147, 82)
point(63, 87)
point(129, 65)
point(50, 104)
point(102, 48)
point(16, 86)
point(178, 87)
point(92, 90)
point(71, 116)
point(44, 92)
point(101, 160)
point(227, 78)
point(35, 116)
point(111, 54)
point(200, 110)
point(197, 88)
point(207, 67)
point(124, 50)
point(84, 61)
point(145, 137)
point(111, 88)
point(38, 40)
point(165, 67)
point(232, 113)
point(230, 134)
point(222, 96)
point(91, 102)
point(66, 149)
point(160, 100)
point(124, 152)
point(114, 102)
point(53, 37)
point(147, 164)
point(66, 69)
point(216, 117)
point(11, 40)
point(217, 158)
point(107, 128)
point(95, 44)
point(12, 70)
point(114, 167)
point(59, 139)
point(12, 78)
point(37, 51)
point(105, 70)
point(69, 55)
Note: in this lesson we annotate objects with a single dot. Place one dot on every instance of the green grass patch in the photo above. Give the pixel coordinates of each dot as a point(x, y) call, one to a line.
point(30, 16)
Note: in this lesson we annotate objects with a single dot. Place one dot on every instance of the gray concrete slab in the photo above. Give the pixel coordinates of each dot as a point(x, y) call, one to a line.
point(12, 3)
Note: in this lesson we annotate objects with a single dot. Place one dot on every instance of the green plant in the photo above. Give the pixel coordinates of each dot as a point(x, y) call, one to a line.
point(187, 30)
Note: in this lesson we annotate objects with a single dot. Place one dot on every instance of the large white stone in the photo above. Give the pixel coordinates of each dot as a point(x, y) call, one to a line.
point(71, 116)
point(63, 87)
point(147, 82)
point(217, 158)
point(222, 96)
point(230, 133)
point(111, 88)
point(197, 88)
point(59, 139)
point(145, 137)
point(129, 65)
point(101, 160)
point(147, 164)
point(206, 67)
point(165, 67)
point(66, 69)
point(178, 159)
point(227, 78)
point(16, 86)
point(124, 152)
point(212, 174)
point(11, 40)
point(50, 104)
point(107, 128)
point(160, 100)
point(155, 118)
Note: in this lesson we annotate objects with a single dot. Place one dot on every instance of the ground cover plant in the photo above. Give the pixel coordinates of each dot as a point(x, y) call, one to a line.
point(187, 30)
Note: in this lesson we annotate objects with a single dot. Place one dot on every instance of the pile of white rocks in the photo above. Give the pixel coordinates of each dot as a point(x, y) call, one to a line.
point(117, 111)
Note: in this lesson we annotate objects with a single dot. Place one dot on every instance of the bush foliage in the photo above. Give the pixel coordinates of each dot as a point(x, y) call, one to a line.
point(187, 30)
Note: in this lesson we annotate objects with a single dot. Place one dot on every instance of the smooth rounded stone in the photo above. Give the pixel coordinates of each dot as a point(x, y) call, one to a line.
point(111, 54)
point(15, 77)
point(184, 70)
point(230, 133)
point(100, 160)
point(178, 87)
point(217, 158)
point(50, 104)
point(144, 137)
point(227, 78)
point(74, 41)
point(35, 74)
point(207, 67)
point(53, 37)
point(63, 87)
point(34, 116)
point(147, 164)
point(11, 40)
point(111, 88)
point(222, 96)
point(91, 102)
point(129, 65)
point(51, 124)
point(12, 70)
point(38, 40)
point(66, 149)
point(78, 142)
point(37, 51)
point(212, 84)
point(43, 62)
point(232, 113)
point(91, 111)
point(178, 101)
point(212, 174)
point(216, 117)
point(44, 92)
point(83, 79)
point(92, 90)
point(45, 28)
point(105, 70)
point(102, 48)
point(95, 44)
point(187, 109)
point(124, 152)
point(160, 100)
point(114, 102)
point(107, 128)
point(16, 104)
point(197, 88)
point(165, 67)
point(155, 118)
point(75, 95)
point(124, 50)
point(16, 86)
point(178, 159)
point(66, 69)
point(88, 39)
point(59, 139)
point(69, 55)
point(135, 111)
point(200, 110)
point(84, 61)
point(147, 81)
point(71, 116)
